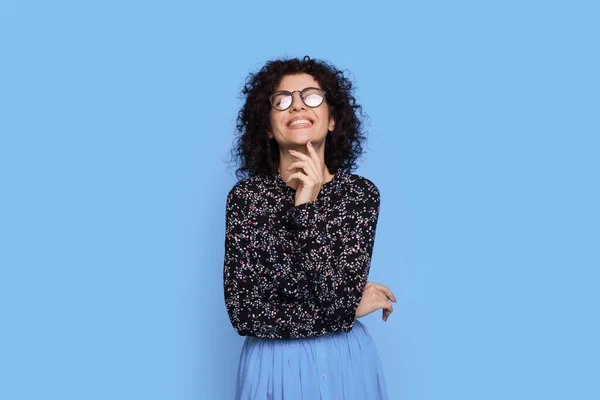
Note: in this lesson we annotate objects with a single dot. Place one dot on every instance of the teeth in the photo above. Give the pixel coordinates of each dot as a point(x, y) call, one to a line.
point(300, 121)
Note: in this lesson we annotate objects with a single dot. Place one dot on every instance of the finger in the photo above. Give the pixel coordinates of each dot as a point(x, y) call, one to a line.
point(381, 292)
point(313, 154)
point(382, 296)
point(386, 314)
point(386, 317)
point(304, 166)
point(384, 289)
point(387, 308)
point(375, 293)
point(309, 160)
point(387, 291)
point(299, 154)
point(300, 176)
point(386, 305)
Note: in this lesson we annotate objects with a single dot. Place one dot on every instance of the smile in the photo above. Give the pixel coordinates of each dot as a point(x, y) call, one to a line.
point(303, 122)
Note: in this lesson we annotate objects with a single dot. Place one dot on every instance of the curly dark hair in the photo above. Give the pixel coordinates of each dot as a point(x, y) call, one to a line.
point(258, 154)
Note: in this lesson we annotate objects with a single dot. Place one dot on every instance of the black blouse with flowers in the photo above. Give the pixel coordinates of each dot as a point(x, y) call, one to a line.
point(297, 271)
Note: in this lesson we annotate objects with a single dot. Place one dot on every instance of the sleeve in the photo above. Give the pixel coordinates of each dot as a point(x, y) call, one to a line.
point(335, 247)
point(249, 312)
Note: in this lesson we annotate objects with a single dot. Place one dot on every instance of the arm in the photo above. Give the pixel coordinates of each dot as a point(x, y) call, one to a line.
point(249, 312)
point(335, 248)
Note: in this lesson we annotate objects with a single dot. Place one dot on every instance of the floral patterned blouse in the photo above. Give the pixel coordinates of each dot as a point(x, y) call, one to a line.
point(297, 271)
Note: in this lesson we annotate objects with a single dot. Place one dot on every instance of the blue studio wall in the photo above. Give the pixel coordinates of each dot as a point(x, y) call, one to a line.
point(116, 121)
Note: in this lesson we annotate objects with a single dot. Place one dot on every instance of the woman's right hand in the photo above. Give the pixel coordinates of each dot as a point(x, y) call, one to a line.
point(376, 296)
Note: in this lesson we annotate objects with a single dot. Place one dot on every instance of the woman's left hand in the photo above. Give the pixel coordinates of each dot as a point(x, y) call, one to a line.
point(310, 175)
point(374, 297)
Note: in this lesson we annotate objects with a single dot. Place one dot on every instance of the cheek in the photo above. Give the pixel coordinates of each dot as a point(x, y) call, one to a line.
point(324, 117)
point(275, 119)
point(324, 113)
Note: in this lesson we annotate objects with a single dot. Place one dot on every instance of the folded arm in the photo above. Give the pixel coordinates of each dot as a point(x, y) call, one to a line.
point(334, 248)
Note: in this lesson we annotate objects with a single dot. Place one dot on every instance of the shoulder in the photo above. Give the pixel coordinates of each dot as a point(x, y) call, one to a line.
point(246, 188)
point(357, 185)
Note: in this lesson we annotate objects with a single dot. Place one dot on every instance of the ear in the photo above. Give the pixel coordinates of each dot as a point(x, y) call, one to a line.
point(269, 134)
point(331, 126)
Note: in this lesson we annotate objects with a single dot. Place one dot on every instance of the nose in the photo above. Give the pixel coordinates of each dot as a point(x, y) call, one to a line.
point(297, 103)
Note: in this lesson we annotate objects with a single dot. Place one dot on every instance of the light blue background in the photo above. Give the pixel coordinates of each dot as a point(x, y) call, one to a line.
point(116, 119)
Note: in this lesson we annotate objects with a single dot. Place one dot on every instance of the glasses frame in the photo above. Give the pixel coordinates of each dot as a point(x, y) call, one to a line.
point(271, 97)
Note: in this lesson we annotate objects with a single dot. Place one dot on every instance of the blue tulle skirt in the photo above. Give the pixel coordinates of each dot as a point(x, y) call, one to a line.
point(334, 366)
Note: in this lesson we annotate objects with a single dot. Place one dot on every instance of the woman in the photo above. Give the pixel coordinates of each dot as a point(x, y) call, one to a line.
point(300, 231)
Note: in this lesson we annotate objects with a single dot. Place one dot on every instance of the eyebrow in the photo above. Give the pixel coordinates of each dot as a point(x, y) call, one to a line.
point(287, 90)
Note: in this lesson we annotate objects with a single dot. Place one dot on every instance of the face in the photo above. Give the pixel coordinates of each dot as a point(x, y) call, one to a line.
point(319, 120)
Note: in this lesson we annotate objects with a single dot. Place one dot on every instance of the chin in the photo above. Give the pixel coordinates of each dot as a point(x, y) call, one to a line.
point(301, 139)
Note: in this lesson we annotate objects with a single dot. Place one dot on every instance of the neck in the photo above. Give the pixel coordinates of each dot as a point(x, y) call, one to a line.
point(286, 159)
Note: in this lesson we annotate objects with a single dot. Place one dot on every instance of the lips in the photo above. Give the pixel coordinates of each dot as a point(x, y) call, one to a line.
point(299, 118)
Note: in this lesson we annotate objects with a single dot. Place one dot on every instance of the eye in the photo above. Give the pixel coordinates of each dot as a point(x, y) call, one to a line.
point(281, 100)
point(285, 101)
point(314, 100)
point(313, 97)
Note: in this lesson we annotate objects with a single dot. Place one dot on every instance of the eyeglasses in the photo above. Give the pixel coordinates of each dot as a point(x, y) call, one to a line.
point(283, 99)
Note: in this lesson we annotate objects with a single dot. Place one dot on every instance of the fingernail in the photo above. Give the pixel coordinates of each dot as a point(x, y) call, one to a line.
point(309, 143)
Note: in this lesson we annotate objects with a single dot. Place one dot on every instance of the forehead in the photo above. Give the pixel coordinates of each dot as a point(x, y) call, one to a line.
point(297, 82)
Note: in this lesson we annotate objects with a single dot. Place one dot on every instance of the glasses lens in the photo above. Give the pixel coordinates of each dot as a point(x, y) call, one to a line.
point(313, 97)
point(281, 101)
